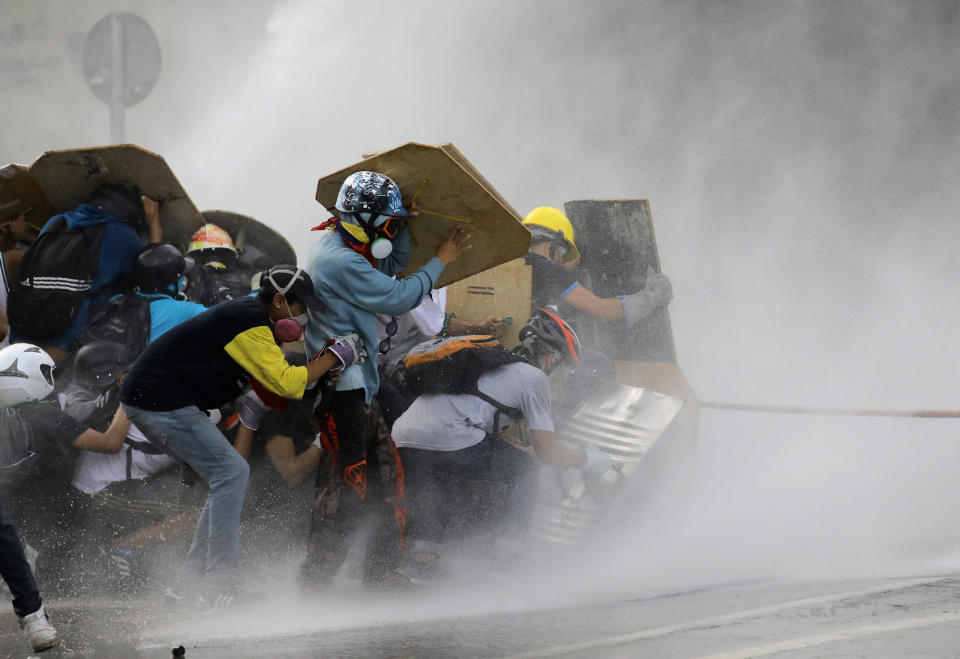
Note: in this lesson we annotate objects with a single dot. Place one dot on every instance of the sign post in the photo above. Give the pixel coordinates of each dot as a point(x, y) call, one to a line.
point(121, 64)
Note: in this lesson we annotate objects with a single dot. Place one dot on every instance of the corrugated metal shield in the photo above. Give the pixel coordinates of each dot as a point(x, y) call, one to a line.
point(624, 422)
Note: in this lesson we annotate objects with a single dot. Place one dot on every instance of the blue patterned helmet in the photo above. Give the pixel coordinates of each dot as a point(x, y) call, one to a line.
point(371, 196)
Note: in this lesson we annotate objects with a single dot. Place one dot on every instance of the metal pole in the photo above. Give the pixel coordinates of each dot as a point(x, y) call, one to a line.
point(832, 411)
point(117, 128)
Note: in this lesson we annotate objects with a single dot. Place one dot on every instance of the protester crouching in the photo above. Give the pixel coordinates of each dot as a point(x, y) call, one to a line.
point(40, 445)
point(450, 444)
point(205, 363)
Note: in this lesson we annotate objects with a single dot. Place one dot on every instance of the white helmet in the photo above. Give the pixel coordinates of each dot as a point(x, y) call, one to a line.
point(26, 373)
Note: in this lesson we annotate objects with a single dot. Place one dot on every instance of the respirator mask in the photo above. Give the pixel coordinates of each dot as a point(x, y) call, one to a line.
point(290, 329)
point(381, 237)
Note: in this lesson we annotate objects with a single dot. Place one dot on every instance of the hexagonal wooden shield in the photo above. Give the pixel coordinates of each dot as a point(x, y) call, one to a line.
point(449, 191)
point(247, 231)
point(69, 177)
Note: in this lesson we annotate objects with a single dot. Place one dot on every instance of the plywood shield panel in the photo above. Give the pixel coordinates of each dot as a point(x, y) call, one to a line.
point(500, 291)
point(449, 192)
point(68, 178)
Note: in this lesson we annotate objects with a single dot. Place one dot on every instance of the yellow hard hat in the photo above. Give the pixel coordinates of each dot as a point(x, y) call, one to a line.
point(554, 221)
point(210, 236)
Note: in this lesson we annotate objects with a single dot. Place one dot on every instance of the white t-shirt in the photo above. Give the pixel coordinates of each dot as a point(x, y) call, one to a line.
point(95, 471)
point(444, 422)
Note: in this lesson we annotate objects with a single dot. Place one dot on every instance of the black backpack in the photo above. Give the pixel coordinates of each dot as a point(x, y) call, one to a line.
point(453, 366)
point(124, 319)
point(55, 277)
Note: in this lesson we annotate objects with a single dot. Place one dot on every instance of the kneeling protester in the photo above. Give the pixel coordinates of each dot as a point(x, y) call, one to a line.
point(449, 444)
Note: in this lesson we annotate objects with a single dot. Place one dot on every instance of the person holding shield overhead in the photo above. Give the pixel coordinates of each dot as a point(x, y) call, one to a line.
point(353, 265)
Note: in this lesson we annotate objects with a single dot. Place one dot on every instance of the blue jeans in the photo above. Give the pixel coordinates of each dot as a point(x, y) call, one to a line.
point(16, 571)
point(188, 436)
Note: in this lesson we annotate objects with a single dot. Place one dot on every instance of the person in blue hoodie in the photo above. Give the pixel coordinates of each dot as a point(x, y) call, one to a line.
point(353, 266)
point(123, 211)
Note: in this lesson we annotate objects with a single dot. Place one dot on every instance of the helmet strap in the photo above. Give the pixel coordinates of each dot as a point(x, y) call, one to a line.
point(555, 360)
point(283, 290)
point(558, 243)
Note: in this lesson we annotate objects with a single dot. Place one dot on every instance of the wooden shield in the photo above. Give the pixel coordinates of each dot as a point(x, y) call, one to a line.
point(501, 291)
point(448, 191)
point(68, 178)
point(247, 231)
point(20, 195)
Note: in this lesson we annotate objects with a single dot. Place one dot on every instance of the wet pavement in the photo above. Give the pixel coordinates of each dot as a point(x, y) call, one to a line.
point(904, 617)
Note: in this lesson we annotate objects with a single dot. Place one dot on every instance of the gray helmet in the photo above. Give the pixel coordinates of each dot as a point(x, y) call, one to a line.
point(550, 331)
point(159, 268)
point(97, 365)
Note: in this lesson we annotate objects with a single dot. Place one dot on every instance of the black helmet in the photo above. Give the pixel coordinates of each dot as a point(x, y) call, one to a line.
point(119, 201)
point(97, 365)
point(159, 268)
point(547, 330)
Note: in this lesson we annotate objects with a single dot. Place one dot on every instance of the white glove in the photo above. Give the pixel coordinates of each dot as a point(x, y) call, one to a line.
point(656, 294)
point(597, 462)
point(251, 409)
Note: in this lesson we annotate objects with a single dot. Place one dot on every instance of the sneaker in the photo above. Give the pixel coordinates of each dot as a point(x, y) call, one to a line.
point(226, 598)
point(173, 595)
point(38, 630)
point(421, 567)
point(215, 601)
point(124, 562)
point(390, 581)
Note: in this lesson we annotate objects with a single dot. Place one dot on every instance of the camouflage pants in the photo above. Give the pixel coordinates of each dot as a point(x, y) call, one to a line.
point(360, 487)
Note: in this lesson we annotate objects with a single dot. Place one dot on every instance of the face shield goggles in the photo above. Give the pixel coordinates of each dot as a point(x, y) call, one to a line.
point(559, 245)
point(391, 227)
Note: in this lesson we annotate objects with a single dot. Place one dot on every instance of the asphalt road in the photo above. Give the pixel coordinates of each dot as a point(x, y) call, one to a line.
point(902, 617)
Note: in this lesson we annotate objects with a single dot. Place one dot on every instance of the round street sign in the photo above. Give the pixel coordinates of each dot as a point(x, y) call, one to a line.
point(123, 50)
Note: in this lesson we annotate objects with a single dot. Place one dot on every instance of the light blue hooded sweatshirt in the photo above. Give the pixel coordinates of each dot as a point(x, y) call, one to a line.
point(353, 291)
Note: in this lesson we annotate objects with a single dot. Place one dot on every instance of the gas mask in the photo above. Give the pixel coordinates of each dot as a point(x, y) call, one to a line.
point(287, 330)
point(381, 237)
point(381, 248)
point(290, 329)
